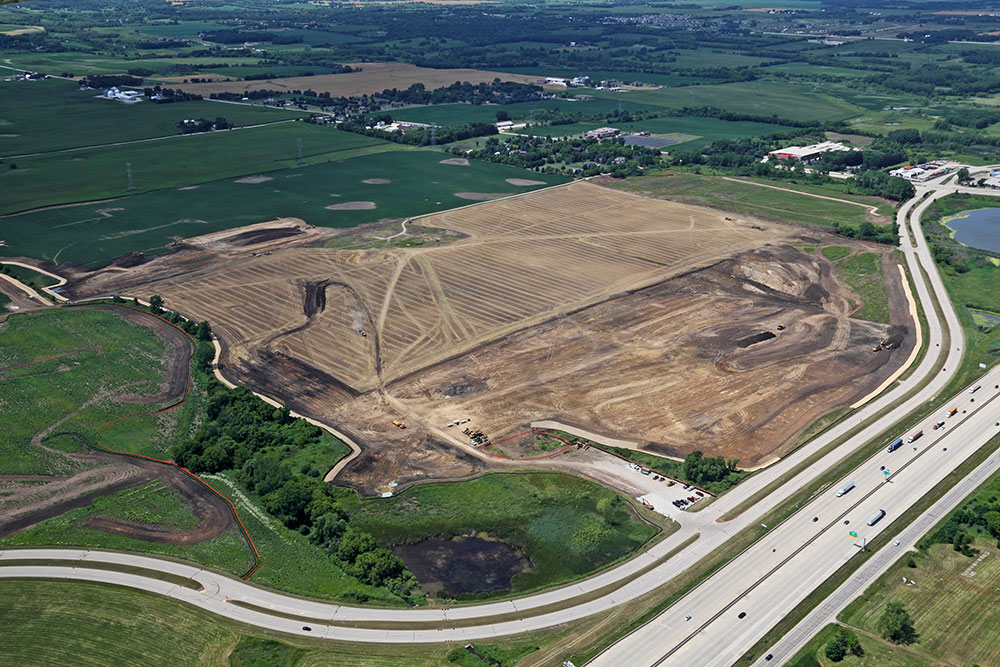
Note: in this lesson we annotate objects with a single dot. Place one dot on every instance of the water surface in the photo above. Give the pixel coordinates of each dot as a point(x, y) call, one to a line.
point(979, 228)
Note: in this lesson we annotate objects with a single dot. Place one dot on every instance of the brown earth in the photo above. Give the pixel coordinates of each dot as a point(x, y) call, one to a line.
point(524, 181)
point(376, 181)
point(653, 321)
point(29, 499)
point(352, 206)
point(459, 162)
point(481, 196)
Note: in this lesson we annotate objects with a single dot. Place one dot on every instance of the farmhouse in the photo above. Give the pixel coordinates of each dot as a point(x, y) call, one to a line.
point(114, 93)
point(806, 153)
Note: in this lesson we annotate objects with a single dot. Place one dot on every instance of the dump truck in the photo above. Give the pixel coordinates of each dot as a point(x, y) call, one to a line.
point(896, 444)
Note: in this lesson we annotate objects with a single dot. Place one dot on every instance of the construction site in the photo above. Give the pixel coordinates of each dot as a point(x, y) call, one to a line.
point(662, 326)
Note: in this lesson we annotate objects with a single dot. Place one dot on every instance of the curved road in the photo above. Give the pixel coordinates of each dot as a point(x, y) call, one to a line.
point(705, 524)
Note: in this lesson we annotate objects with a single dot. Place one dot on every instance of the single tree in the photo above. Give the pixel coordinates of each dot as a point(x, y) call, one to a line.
point(156, 303)
point(896, 625)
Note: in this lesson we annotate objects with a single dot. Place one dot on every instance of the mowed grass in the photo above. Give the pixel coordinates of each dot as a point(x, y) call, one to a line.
point(748, 199)
point(862, 272)
point(76, 361)
point(957, 617)
point(103, 173)
point(79, 623)
point(567, 527)
point(55, 114)
point(94, 234)
point(225, 553)
point(877, 653)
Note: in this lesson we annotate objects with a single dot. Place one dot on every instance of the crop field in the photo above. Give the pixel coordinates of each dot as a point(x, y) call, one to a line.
point(41, 116)
point(764, 98)
point(332, 194)
point(372, 78)
point(761, 202)
point(101, 173)
point(82, 64)
point(532, 316)
point(955, 613)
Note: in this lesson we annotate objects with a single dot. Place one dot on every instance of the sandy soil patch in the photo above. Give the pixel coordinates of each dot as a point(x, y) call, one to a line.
point(106, 211)
point(9, 136)
point(524, 181)
point(27, 30)
point(373, 78)
point(351, 206)
point(457, 161)
point(481, 196)
point(377, 181)
point(253, 179)
point(189, 187)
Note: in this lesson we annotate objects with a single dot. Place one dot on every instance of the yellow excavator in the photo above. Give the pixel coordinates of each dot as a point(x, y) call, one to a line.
point(398, 424)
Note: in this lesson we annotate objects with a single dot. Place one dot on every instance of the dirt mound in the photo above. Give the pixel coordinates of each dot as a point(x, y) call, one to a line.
point(457, 161)
point(481, 196)
point(377, 181)
point(351, 206)
point(315, 297)
point(524, 181)
point(256, 236)
point(253, 179)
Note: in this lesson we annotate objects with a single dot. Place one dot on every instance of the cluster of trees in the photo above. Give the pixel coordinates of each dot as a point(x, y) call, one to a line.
point(977, 516)
point(191, 125)
point(496, 92)
point(168, 95)
point(242, 36)
point(896, 625)
point(422, 136)
point(607, 156)
point(843, 644)
point(243, 434)
point(867, 231)
point(702, 470)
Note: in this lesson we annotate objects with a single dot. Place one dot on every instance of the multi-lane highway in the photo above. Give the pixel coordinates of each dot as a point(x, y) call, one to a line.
point(800, 556)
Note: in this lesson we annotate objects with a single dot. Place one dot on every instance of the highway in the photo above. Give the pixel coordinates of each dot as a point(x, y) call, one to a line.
point(803, 550)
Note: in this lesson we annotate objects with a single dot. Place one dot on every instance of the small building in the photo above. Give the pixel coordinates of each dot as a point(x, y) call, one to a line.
point(554, 81)
point(504, 125)
point(602, 133)
point(807, 153)
point(115, 93)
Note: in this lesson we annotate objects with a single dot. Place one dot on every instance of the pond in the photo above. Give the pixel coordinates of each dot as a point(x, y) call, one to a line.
point(462, 564)
point(979, 228)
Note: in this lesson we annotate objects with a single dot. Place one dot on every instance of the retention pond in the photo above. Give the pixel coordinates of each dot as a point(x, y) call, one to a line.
point(462, 565)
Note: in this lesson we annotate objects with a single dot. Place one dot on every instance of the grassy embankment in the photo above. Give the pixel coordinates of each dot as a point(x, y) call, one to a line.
point(862, 272)
point(33, 279)
point(147, 222)
point(93, 624)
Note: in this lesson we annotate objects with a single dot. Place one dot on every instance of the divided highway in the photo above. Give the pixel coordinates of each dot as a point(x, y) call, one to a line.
point(762, 582)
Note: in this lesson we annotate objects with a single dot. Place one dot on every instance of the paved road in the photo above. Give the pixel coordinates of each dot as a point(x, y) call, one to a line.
point(704, 525)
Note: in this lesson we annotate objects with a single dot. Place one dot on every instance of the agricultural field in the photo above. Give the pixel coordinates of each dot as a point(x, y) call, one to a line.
point(320, 328)
point(180, 161)
point(55, 114)
point(460, 114)
point(398, 183)
point(743, 196)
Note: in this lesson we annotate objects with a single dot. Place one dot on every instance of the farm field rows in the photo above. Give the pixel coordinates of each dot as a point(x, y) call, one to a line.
point(324, 194)
point(54, 114)
point(180, 161)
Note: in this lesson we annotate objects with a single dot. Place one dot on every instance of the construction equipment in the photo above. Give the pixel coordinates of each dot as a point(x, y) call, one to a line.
point(398, 424)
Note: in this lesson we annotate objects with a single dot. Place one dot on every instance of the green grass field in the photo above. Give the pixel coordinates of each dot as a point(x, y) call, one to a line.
point(94, 234)
point(763, 98)
point(55, 114)
point(877, 653)
point(691, 132)
point(567, 527)
point(862, 272)
point(957, 616)
point(103, 173)
point(148, 503)
point(85, 624)
point(77, 360)
point(33, 279)
point(752, 200)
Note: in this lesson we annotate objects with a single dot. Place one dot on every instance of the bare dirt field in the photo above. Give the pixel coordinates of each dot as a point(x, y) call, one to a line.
point(373, 78)
point(677, 327)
